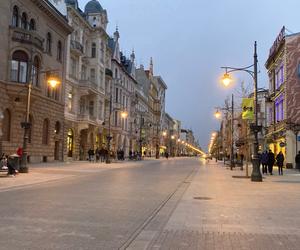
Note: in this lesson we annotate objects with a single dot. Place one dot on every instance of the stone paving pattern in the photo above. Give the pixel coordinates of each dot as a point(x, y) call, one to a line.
point(237, 214)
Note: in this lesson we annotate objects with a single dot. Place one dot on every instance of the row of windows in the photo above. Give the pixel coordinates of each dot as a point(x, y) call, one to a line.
point(6, 128)
point(22, 20)
point(19, 72)
point(31, 25)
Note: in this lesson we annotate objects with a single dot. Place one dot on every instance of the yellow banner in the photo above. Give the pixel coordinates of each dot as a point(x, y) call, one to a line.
point(248, 109)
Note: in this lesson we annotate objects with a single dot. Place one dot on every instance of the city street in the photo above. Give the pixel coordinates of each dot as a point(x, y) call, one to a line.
point(155, 204)
point(88, 208)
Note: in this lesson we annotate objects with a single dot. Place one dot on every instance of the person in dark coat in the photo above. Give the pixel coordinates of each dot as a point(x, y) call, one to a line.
point(271, 161)
point(91, 154)
point(264, 162)
point(297, 160)
point(279, 161)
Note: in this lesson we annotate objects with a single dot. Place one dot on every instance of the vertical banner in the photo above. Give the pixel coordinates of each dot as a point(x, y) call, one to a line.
point(248, 109)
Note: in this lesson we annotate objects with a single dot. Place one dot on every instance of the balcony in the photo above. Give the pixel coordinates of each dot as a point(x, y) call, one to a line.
point(279, 126)
point(86, 117)
point(27, 37)
point(88, 87)
point(76, 47)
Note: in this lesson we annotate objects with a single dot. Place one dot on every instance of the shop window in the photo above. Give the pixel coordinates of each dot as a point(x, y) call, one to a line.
point(70, 142)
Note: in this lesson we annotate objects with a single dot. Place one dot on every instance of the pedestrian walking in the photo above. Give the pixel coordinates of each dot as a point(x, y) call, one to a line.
point(91, 154)
point(167, 155)
point(297, 160)
point(279, 161)
point(271, 161)
point(264, 162)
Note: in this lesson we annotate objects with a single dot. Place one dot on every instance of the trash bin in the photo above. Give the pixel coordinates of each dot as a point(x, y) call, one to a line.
point(14, 161)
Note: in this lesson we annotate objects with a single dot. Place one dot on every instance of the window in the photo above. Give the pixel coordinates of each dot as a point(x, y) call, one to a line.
point(116, 73)
point(101, 79)
point(35, 71)
point(32, 25)
point(102, 52)
point(24, 21)
point(70, 101)
point(93, 50)
point(117, 95)
point(6, 125)
point(116, 118)
point(83, 72)
point(93, 75)
point(279, 109)
point(100, 110)
point(57, 128)
point(82, 106)
point(70, 142)
point(48, 43)
point(15, 17)
point(19, 66)
point(73, 67)
point(45, 137)
point(91, 108)
point(279, 77)
point(59, 51)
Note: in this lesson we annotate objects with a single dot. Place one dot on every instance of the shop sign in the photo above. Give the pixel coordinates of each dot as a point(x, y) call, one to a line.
point(247, 109)
point(282, 144)
point(277, 42)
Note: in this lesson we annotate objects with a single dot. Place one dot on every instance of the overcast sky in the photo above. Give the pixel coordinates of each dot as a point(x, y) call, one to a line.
point(190, 40)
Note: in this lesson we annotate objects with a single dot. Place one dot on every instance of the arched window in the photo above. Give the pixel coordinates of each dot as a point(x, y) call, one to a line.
point(30, 129)
point(19, 66)
point(15, 17)
point(6, 125)
point(48, 43)
point(45, 137)
point(70, 142)
point(57, 128)
point(93, 50)
point(35, 71)
point(32, 25)
point(59, 51)
point(24, 21)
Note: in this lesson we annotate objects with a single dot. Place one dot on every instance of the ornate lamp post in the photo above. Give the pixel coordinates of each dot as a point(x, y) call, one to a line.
point(53, 81)
point(256, 174)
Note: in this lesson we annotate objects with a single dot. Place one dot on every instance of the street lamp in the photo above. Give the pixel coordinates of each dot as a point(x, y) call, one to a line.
point(256, 174)
point(124, 115)
point(53, 81)
point(218, 114)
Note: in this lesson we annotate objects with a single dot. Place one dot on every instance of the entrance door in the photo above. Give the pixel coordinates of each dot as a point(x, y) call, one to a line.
point(56, 151)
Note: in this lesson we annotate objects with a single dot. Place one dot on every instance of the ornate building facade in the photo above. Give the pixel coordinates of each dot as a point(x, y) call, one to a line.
point(33, 49)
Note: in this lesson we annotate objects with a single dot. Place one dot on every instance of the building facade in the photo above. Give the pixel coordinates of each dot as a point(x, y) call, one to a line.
point(33, 49)
point(283, 114)
point(87, 85)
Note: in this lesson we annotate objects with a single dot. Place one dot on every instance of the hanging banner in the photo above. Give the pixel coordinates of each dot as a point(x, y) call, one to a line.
point(248, 109)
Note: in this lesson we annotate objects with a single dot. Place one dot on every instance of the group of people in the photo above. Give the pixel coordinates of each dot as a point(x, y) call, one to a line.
point(10, 164)
point(268, 159)
point(97, 155)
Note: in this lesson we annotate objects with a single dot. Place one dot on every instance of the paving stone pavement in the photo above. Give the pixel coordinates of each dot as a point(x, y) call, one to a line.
point(221, 212)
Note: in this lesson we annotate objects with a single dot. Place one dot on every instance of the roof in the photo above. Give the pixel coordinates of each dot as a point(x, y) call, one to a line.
point(93, 6)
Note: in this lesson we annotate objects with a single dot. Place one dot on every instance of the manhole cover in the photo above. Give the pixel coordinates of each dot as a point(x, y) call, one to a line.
point(202, 198)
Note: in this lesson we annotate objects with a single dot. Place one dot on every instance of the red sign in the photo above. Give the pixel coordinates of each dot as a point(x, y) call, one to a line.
point(277, 42)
